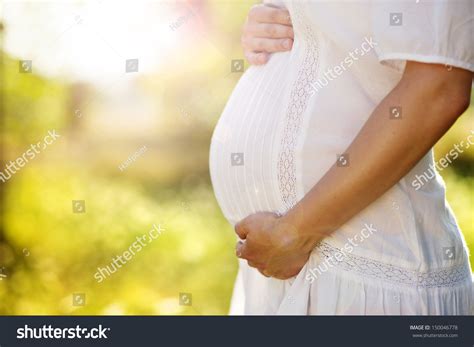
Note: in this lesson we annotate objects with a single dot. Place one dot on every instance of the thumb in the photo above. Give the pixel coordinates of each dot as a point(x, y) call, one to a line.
point(241, 229)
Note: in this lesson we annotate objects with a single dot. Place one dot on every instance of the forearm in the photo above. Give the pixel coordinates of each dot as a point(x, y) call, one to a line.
point(382, 153)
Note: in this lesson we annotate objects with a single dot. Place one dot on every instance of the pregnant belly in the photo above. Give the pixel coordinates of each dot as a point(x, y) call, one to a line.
point(246, 141)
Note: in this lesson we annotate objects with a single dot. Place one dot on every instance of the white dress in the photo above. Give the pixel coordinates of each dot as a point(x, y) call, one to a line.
point(286, 123)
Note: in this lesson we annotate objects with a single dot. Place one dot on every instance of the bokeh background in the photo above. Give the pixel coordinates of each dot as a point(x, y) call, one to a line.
point(80, 88)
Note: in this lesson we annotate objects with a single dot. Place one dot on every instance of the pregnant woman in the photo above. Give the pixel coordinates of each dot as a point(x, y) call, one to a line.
point(322, 158)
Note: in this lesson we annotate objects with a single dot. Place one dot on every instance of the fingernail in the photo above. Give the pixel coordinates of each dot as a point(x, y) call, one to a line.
point(287, 44)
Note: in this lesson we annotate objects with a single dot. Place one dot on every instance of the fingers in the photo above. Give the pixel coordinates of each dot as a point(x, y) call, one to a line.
point(241, 252)
point(258, 44)
point(256, 58)
point(239, 249)
point(266, 14)
point(266, 37)
point(269, 30)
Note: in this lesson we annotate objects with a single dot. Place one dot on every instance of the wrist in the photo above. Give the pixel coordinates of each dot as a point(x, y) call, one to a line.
point(296, 229)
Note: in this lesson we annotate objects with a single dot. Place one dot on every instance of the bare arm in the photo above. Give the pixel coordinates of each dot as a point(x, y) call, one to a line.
point(432, 98)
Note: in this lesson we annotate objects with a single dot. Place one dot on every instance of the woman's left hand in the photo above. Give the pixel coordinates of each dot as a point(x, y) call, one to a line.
point(270, 245)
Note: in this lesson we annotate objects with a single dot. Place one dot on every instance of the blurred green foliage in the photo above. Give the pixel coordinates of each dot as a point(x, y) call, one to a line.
point(49, 253)
point(193, 254)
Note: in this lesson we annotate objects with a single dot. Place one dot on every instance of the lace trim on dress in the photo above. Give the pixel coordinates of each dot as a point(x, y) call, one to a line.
point(300, 93)
point(386, 272)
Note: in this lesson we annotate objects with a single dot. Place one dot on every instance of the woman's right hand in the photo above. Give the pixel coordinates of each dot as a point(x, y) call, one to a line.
point(267, 29)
